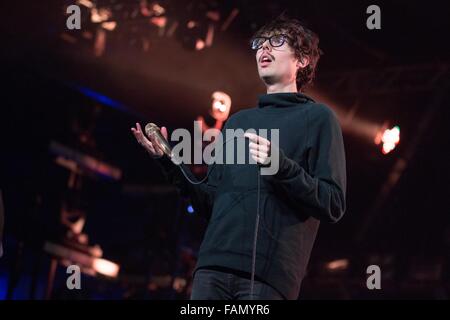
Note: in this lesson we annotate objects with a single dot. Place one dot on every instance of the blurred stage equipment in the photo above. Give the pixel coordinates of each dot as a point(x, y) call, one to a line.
point(1, 223)
point(436, 101)
point(80, 163)
point(89, 259)
point(360, 84)
point(74, 248)
point(193, 23)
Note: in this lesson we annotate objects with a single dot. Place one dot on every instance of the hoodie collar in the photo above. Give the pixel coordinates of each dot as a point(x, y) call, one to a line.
point(282, 99)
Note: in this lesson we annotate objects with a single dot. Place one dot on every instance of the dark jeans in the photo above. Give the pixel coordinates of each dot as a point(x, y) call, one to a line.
point(211, 284)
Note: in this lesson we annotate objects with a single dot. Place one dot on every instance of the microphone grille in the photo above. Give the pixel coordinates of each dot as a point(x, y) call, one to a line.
point(150, 129)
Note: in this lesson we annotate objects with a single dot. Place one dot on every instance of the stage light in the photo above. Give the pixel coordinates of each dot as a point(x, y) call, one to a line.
point(157, 9)
point(86, 3)
point(110, 26)
point(191, 24)
point(199, 44)
point(156, 13)
point(179, 284)
point(190, 209)
point(337, 265)
point(100, 15)
point(160, 22)
point(191, 34)
point(389, 137)
point(106, 267)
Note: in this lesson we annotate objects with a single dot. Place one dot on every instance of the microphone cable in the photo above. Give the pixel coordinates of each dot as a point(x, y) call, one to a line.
point(256, 230)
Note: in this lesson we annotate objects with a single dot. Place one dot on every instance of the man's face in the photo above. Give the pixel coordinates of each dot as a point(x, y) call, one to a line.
point(276, 64)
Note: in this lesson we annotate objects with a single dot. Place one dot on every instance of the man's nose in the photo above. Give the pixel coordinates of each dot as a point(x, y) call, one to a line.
point(266, 45)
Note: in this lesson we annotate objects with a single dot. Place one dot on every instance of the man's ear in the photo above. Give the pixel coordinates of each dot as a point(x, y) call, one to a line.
point(303, 62)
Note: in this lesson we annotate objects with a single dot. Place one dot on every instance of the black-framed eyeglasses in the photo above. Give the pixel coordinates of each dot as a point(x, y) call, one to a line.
point(277, 40)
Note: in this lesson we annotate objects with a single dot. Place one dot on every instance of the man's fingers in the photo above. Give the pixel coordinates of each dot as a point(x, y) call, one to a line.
point(164, 132)
point(252, 137)
point(135, 133)
point(257, 139)
point(152, 149)
point(147, 144)
point(261, 160)
point(140, 136)
point(151, 145)
point(143, 140)
point(158, 149)
point(153, 140)
point(260, 154)
point(258, 159)
point(259, 147)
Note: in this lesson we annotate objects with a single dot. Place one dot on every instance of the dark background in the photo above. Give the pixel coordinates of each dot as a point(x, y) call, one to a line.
point(55, 89)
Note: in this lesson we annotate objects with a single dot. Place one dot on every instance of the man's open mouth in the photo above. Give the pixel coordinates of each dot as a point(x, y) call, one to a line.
point(265, 60)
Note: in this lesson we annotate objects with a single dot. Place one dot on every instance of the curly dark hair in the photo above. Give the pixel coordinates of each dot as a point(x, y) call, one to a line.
point(303, 41)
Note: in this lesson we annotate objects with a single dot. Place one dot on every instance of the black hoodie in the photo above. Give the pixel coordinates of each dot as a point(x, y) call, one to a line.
point(309, 187)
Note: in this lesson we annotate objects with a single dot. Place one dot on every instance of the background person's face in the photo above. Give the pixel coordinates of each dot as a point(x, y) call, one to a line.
point(283, 65)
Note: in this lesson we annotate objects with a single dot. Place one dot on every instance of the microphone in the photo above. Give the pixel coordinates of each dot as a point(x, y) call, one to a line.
point(154, 133)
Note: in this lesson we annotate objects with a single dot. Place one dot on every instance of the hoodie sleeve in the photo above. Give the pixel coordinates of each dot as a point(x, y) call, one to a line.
point(202, 195)
point(323, 186)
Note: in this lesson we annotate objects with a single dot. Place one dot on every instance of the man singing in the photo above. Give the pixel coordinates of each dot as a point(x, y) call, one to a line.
point(262, 228)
